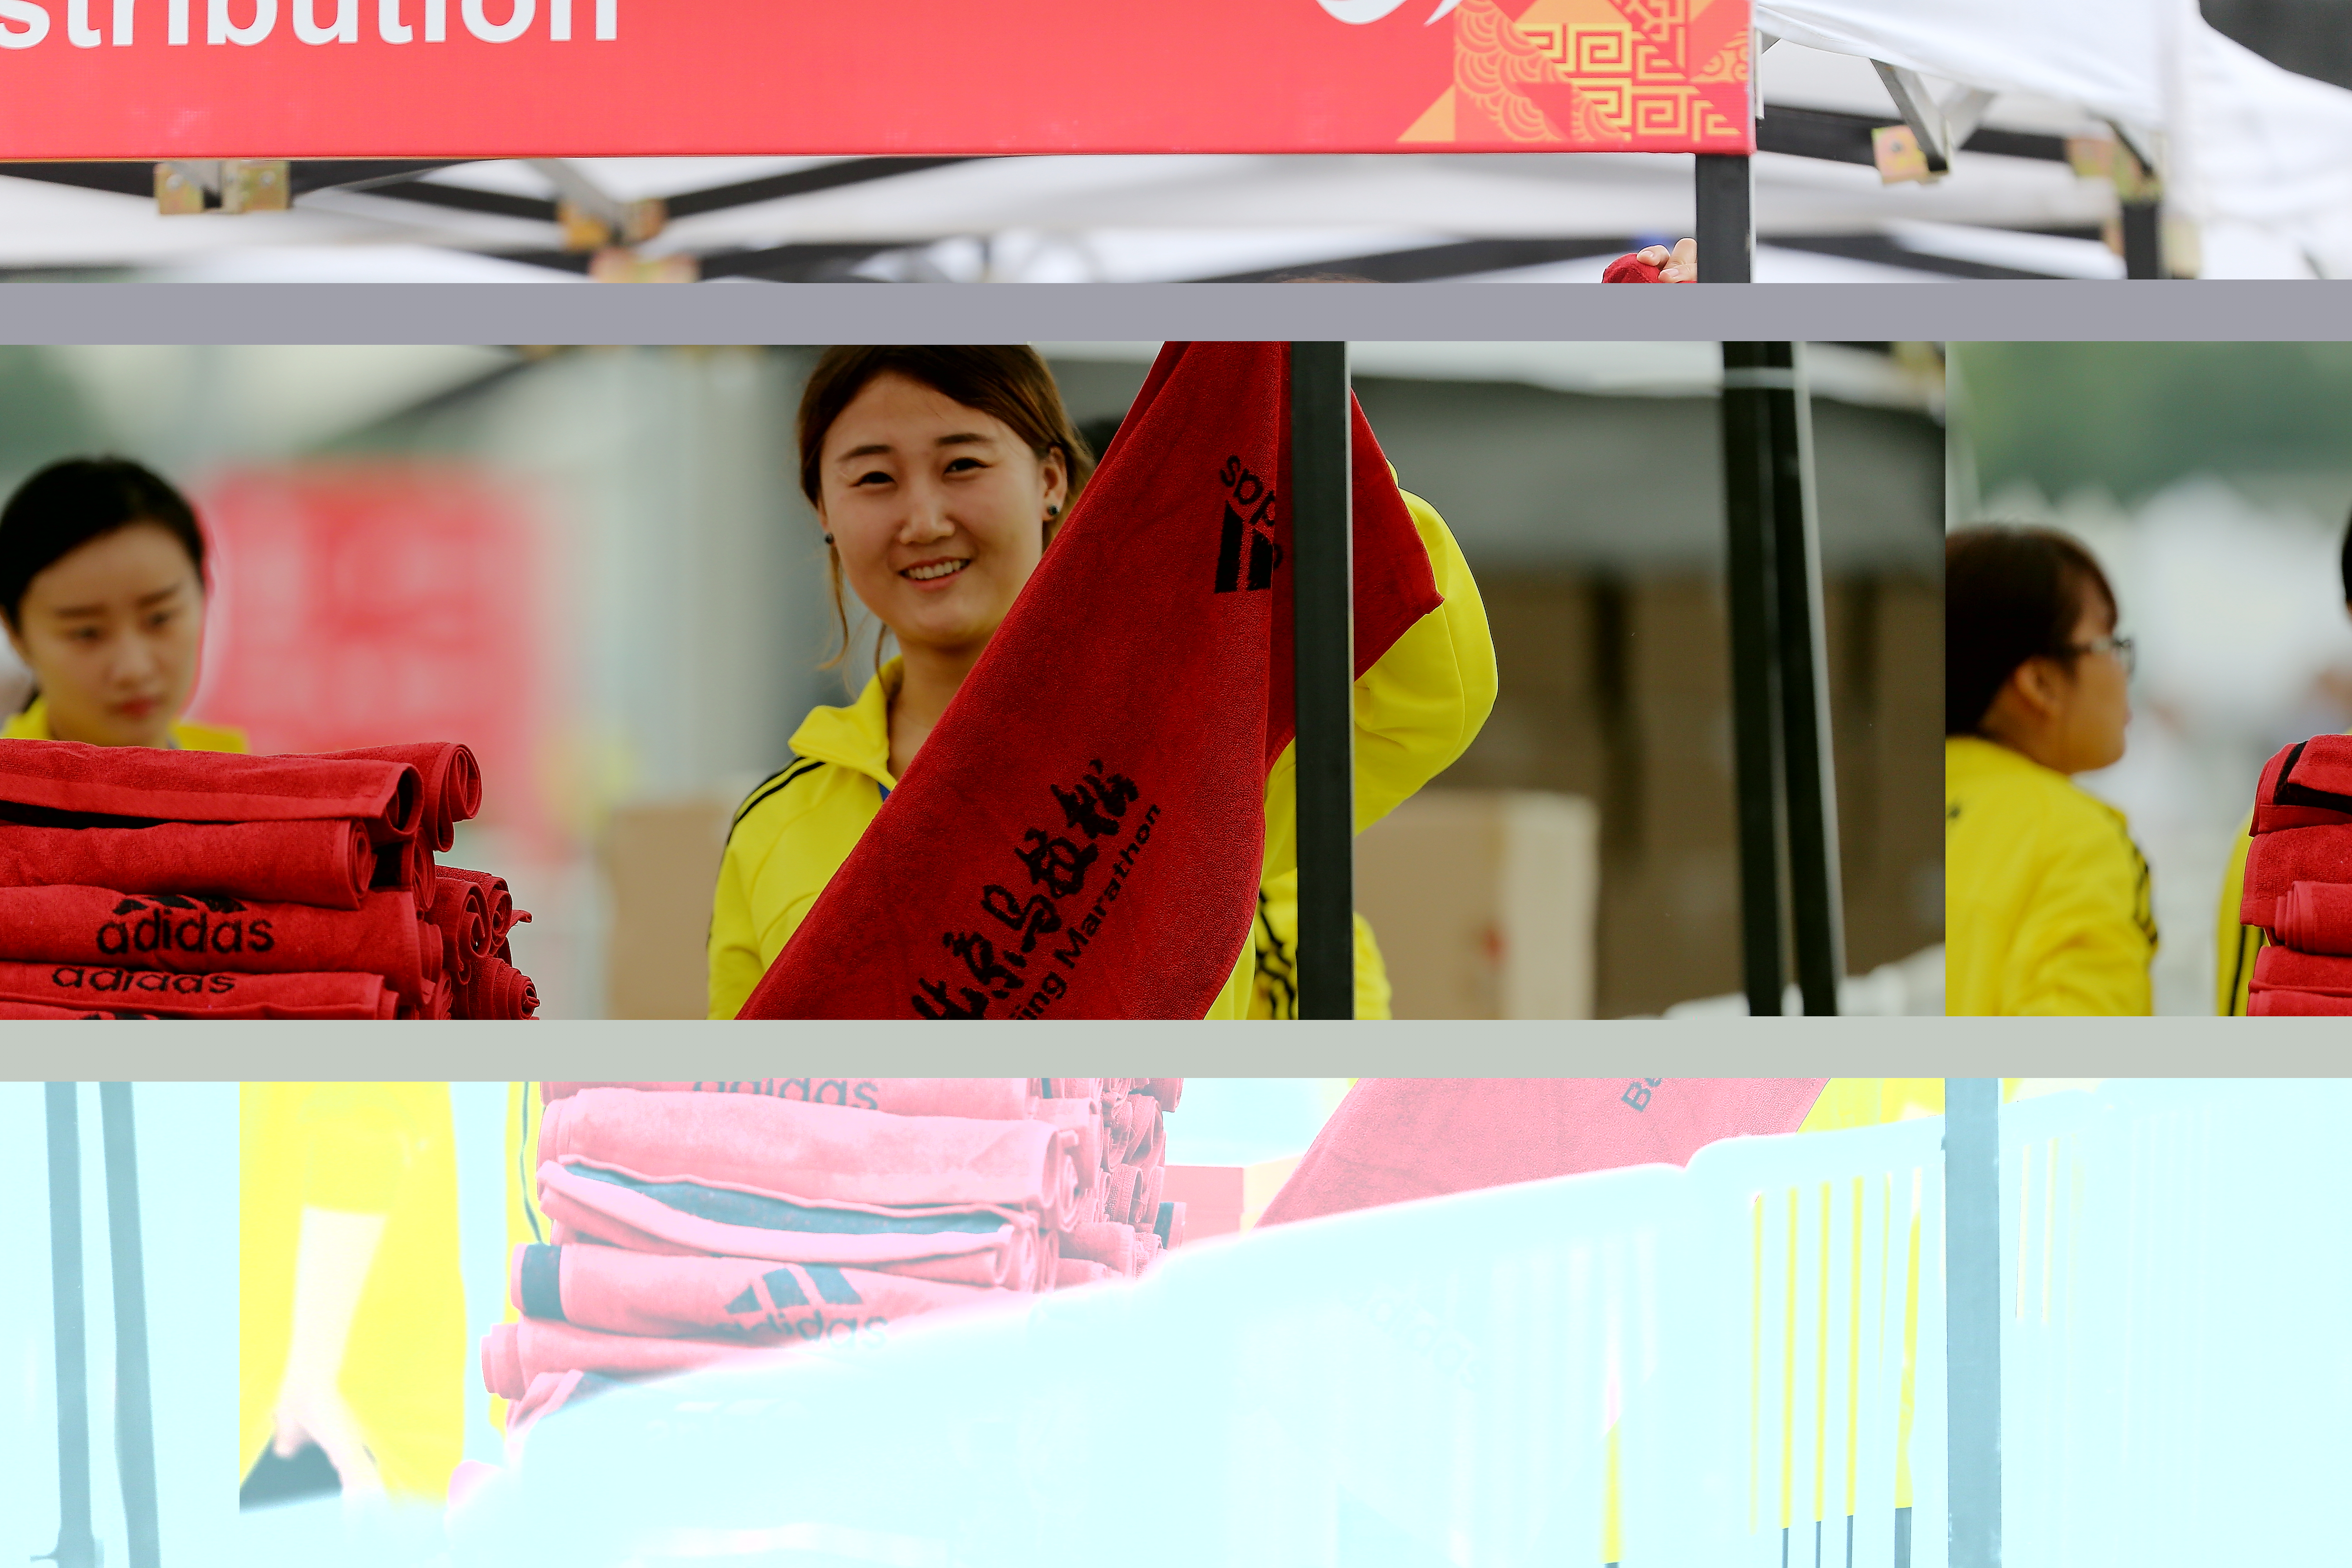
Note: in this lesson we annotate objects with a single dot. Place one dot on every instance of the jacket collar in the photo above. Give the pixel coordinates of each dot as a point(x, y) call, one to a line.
point(857, 736)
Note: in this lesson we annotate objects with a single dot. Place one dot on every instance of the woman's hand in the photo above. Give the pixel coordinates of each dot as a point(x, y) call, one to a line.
point(1679, 265)
point(312, 1410)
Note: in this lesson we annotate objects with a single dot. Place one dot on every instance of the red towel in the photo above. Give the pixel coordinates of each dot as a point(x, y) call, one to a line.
point(1168, 1091)
point(2307, 785)
point(515, 1354)
point(79, 783)
point(682, 1219)
point(1084, 833)
point(2284, 969)
point(2262, 1003)
point(30, 1011)
point(2276, 861)
point(451, 785)
point(984, 1099)
point(201, 935)
point(498, 989)
point(461, 916)
point(822, 1154)
point(1629, 269)
point(498, 901)
point(2316, 917)
point(1074, 1087)
point(216, 995)
point(1395, 1138)
point(325, 862)
point(1147, 1204)
point(1083, 1117)
point(765, 1303)
point(1111, 1245)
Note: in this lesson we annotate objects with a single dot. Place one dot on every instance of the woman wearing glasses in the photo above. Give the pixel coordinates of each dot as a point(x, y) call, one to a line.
point(2046, 898)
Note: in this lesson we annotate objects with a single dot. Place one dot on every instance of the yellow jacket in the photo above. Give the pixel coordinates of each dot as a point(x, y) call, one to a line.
point(33, 724)
point(2046, 900)
point(1416, 710)
point(384, 1148)
point(2236, 946)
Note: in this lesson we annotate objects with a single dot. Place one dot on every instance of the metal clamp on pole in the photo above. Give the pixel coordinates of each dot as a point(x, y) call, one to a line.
point(1323, 629)
point(1972, 1316)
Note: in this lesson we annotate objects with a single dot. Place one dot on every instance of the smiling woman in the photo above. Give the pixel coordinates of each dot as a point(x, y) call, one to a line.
point(102, 591)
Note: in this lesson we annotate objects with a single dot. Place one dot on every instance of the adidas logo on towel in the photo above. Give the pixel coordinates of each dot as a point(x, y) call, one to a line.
point(1265, 554)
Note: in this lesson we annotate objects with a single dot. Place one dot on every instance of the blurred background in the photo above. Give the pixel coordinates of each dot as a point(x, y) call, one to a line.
point(2212, 480)
point(594, 566)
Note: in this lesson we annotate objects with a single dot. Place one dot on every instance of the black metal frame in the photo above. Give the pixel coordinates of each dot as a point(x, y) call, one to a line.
point(1323, 667)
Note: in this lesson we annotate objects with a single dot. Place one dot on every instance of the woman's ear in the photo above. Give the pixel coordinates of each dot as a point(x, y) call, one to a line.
point(2037, 686)
point(1053, 471)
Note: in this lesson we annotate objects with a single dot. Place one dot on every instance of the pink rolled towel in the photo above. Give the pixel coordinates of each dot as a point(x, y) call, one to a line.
point(1147, 1203)
point(515, 1354)
point(1110, 1245)
point(982, 1098)
point(765, 1303)
point(816, 1153)
point(1074, 1088)
point(1124, 1184)
point(977, 1247)
point(1083, 1117)
point(1078, 1271)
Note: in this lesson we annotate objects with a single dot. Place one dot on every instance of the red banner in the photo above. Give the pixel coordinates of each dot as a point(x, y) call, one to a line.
point(426, 79)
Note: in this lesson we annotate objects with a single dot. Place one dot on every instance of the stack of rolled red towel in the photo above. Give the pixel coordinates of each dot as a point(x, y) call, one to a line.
point(146, 883)
point(694, 1224)
point(2298, 883)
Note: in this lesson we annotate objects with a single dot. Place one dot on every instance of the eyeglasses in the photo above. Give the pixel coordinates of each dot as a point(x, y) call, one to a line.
point(2119, 646)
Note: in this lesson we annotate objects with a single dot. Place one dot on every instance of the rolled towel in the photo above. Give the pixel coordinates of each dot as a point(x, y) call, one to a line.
point(190, 934)
point(69, 784)
point(450, 784)
point(1074, 1087)
point(1083, 1117)
point(549, 1393)
point(1076, 1271)
point(2316, 917)
point(498, 989)
point(686, 1218)
point(982, 1098)
point(325, 862)
point(2263, 1003)
point(498, 899)
point(2284, 969)
point(160, 993)
point(1109, 1244)
point(514, 1355)
point(461, 916)
point(1168, 1091)
point(1147, 1203)
point(2275, 862)
point(1122, 1186)
point(817, 1154)
point(765, 1301)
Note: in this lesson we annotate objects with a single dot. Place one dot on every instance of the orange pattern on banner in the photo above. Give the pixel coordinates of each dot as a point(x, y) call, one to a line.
point(1596, 75)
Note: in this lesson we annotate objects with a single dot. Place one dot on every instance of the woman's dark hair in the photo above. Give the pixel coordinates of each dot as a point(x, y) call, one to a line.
point(69, 503)
point(1010, 383)
point(2009, 594)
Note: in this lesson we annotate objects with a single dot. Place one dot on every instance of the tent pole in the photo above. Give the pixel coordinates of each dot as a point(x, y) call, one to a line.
point(1748, 495)
point(76, 1547)
point(1816, 899)
point(134, 1415)
point(1972, 1316)
point(1322, 582)
point(1725, 189)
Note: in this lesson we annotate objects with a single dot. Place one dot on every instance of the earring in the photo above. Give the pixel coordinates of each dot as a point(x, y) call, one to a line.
point(1053, 508)
point(828, 539)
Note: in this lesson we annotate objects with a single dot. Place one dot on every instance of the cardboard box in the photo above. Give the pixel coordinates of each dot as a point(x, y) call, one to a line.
point(661, 858)
point(1483, 902)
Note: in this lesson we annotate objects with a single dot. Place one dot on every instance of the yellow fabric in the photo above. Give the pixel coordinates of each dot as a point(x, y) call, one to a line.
point(1874, 1101)
point(524, 1221)
point(33, 724)
point(360, 1148)
point(2236, 946)
point(1416, 710)
point(1273, 989)
point(2046, 903)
